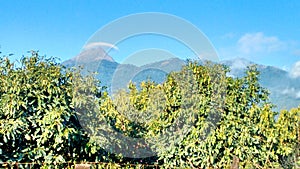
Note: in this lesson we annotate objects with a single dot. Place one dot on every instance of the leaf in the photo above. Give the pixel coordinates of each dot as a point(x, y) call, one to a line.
point(27, 137)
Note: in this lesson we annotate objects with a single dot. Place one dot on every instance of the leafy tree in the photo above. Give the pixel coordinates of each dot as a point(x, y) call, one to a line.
point(201, 118)
point(197, 118)
point(288, 137)
point(37, 118)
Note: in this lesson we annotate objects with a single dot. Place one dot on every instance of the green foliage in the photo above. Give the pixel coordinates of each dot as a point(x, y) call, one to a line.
point(197, 118)
point(201, 118)
point(37, 118)
point(288, 137)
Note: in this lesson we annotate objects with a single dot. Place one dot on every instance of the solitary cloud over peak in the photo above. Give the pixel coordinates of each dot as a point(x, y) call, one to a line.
point(91, 54)
point(100, 44)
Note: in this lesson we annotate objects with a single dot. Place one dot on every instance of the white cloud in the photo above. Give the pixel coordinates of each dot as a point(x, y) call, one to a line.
point(298, 95)
point(291, 92)
point(100, 44)
point(258, 42)
point(295, 71)
point(240, 64)
point(288, 91)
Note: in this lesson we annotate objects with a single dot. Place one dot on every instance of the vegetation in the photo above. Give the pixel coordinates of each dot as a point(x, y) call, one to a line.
point(197, 118)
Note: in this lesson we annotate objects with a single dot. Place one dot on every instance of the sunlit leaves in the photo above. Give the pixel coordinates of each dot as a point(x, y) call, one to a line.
point(35, 103)
point(197, 118)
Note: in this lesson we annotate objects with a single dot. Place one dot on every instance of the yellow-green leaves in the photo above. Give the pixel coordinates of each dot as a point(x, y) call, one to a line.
point(197, 118)
point(35, 110)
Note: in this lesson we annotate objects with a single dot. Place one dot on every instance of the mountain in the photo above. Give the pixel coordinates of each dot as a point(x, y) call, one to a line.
point(94, 54)
point(95, 60)
point(156, 71)
point(284, 90)
point(237, 66)
point(117, 76)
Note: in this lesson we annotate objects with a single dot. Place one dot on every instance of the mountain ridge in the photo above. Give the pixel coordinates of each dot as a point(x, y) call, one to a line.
point(285, 90)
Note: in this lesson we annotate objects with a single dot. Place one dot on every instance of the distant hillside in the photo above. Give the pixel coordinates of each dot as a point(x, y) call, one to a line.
point(285, 90)
point(117, 76)
point(95, 60)
point(156, 72)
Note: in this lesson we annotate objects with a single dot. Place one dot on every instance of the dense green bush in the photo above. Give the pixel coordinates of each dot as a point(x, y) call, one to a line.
point(36, 114)
point(197, 118)
point(220, 118)
point(38, 119)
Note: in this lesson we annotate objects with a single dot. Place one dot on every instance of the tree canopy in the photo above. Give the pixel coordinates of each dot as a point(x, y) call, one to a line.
point(197, 118)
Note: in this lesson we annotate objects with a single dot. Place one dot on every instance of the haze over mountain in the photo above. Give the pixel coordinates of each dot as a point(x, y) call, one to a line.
point(284, 89)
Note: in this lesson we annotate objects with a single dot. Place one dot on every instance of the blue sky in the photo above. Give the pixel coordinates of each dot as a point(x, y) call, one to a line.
point(266, 32)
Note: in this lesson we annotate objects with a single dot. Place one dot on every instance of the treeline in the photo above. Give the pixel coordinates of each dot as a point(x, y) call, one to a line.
point(197, 118)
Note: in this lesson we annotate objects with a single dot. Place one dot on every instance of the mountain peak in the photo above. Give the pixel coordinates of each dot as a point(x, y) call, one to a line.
point(94, 54)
